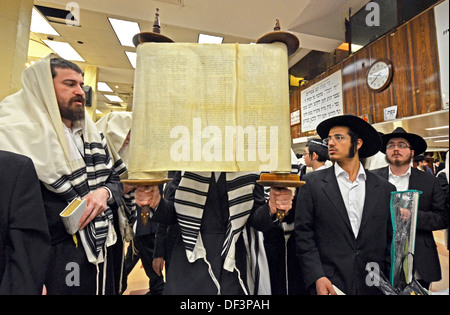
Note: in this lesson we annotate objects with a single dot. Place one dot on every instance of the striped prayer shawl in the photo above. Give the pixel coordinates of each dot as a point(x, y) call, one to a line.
point(31, 125)
point(98, 165)
point(258, 275)
point(190, 199)
point(115, 127)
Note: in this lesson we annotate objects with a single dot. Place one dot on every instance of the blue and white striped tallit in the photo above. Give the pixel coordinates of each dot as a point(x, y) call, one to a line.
point(190, 200)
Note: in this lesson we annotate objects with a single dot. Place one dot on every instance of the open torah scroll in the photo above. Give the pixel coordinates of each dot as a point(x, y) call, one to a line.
point(206, 107)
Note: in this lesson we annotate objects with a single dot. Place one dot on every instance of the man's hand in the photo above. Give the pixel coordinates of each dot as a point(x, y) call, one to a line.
point(96, 204)
point(157, 265)
point(147, 195)
point(280, 198)
point(405, 214)
point(127, 188)
point(324, 287)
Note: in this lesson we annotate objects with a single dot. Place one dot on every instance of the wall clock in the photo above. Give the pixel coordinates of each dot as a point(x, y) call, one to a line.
point(379, 75)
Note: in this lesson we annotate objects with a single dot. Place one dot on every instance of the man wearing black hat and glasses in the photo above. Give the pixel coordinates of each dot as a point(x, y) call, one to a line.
point(400, 148)
point(343, 217)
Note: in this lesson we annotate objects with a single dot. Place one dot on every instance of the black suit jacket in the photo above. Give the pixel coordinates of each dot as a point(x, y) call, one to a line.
point(326, 245)
point(24, 237)
point(432, 215)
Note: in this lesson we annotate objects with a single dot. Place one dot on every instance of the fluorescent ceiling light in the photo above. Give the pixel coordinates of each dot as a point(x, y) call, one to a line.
point(300, 140)
point(440, 140)
point(103, 87)
point(427, 138)
point(125, 31)
point(356, 47)
point(132, 58)
point(209, 39)
point(114, 98)
point(345, 45)
point(64, 50)
point(40, 25)
point(436, 128)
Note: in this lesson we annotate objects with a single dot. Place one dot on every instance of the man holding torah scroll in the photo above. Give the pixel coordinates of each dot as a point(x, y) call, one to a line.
point(46, 121)
point(212, 209)
point(204, 109)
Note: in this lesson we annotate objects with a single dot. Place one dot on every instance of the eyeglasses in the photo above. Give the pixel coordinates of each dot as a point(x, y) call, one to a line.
point(400, 146)
point(335, 138)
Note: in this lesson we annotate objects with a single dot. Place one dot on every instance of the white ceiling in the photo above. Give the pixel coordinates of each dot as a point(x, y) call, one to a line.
point(319, 25)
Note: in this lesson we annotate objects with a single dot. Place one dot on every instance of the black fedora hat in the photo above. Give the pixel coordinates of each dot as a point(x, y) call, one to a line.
point(370, 137)
point(418, 158)
point(416, 142)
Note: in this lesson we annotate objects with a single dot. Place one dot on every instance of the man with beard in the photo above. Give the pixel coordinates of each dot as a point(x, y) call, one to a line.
point(343, 218)
point(400, 148)
point(46, 121)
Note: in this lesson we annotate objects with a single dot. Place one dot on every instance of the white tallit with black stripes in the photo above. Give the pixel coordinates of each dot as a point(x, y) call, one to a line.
point(115, 127)
point(190, 199)
point(98, 163)
point(30, 124)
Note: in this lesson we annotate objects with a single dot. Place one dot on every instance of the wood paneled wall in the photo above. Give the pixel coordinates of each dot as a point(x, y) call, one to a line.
point(415, 85)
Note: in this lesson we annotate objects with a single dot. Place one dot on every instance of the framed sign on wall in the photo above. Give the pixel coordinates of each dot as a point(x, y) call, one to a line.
point(321, 101)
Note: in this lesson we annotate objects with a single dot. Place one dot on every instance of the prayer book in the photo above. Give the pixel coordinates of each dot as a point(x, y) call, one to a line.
point(337, 290)
point(71, 215)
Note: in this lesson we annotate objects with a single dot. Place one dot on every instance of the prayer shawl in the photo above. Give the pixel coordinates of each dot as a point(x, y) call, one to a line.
point(30, 124)
point(190, 199)
point(115, 127)
point(258, 274)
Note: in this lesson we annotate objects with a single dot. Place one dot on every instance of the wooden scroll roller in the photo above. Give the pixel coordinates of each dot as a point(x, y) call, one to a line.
point(280, 179)
point(146, 210)
point(139, 38)
point(155, 36)
point(277, 35)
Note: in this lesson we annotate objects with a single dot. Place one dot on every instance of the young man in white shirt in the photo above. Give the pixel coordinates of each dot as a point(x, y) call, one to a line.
point(316, 154)
point(342, 215)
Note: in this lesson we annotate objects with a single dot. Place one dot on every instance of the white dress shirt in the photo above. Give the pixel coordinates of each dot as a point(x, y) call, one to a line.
point(321, 168)
point(353, 193)
point(74, 141)
point(401, 182)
